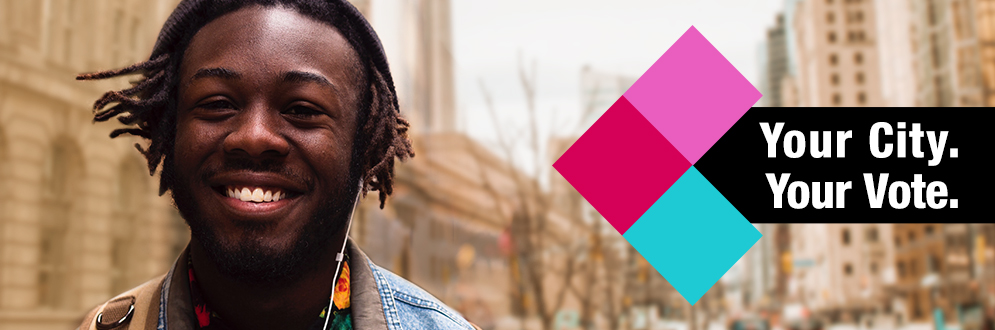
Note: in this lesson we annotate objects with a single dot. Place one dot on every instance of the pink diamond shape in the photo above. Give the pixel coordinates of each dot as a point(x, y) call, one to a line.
point(622, 165)
point(692, 95)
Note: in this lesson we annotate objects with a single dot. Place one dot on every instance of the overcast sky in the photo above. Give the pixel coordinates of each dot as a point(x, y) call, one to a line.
point(561, 36)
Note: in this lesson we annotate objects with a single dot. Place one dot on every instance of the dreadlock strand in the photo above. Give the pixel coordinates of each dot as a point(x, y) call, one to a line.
point(121, 98)
point(131, 131)
point(401, 138)
point(108, 114)
point(382, 164)
point(123, 71)
point(129, 118)
point(146, 83)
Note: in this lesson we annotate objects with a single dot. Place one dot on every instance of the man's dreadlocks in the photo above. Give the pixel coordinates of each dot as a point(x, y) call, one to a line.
point(149, 106)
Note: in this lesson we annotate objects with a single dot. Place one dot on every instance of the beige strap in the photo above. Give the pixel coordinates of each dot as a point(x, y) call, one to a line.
point(116, 313)
point(142, 303)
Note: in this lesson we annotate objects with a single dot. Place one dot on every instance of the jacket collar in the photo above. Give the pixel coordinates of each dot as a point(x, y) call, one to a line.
point(176, 309)
point(367, 309)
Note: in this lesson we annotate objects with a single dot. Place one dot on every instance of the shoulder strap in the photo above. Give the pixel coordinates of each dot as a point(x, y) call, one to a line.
point(135, 309)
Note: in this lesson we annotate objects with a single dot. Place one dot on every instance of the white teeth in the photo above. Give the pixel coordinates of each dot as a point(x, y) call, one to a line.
point(257, 195)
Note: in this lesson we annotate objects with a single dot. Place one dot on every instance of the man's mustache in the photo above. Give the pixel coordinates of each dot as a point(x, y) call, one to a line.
point(259, 166)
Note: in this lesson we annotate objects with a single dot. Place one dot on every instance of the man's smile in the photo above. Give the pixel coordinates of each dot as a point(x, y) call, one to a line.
point(256, 195)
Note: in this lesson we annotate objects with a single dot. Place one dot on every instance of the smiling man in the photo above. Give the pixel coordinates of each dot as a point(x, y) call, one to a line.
point(270, 119)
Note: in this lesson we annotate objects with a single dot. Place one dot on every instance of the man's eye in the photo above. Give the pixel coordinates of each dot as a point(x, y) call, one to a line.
point(302, 111)
point(218, 105)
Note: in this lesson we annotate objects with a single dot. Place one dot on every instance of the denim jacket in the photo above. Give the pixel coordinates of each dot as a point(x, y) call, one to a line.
point(381, 300)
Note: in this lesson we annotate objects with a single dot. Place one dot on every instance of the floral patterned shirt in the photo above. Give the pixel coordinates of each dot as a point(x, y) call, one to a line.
point(341, 307)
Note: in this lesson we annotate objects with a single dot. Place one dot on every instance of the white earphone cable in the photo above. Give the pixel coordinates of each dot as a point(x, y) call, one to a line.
point(340, 257)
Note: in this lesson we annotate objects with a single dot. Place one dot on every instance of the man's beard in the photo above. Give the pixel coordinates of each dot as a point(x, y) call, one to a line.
point(248, 260)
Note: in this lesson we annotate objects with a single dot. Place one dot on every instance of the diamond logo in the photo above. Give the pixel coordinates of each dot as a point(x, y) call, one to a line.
point(635, 165)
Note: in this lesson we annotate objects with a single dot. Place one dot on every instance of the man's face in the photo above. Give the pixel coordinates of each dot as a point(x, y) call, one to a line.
point(266, 116)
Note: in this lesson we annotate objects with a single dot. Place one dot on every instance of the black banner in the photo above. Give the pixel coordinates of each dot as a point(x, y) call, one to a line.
point(920, 164)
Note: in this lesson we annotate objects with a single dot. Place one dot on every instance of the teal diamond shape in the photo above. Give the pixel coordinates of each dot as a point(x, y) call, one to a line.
point(692, 235)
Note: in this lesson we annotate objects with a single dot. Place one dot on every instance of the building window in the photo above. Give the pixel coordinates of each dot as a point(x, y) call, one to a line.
point(872, 234)
point(848, 269)
point(837, 99)
point(935, 50)
point(862, 98)
point(898, 241)
point(874, 268)
point(831, 37)
point(835, 79)
point(833, 59)
point(929, 230)
point(855, 17)
point(932, 264)
point(901, 269)
point(912, 236)
point(860, 77)
point(856, 36)
point(845, 236)
point(61, 172)
point(858, 58)
point(830, 17)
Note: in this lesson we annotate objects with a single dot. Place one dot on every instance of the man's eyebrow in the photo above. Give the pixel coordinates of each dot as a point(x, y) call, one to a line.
point(216, 72)
point(302, 76)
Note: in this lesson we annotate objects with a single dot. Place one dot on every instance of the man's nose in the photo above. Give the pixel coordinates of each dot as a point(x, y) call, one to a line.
point(257, 135)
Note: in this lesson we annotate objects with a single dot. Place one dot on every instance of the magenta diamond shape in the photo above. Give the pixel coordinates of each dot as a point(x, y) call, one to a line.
point(622, 165)
point(692, 95)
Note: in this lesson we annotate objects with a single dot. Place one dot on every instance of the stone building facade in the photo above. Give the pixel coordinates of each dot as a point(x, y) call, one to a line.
point(80, 218)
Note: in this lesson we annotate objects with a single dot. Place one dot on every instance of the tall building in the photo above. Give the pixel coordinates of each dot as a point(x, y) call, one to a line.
point(837, 54)
point(777, 62)
point(841, 271)
point(417, 38)
point(898, 75)
point(945, 46)
point(984, 11)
